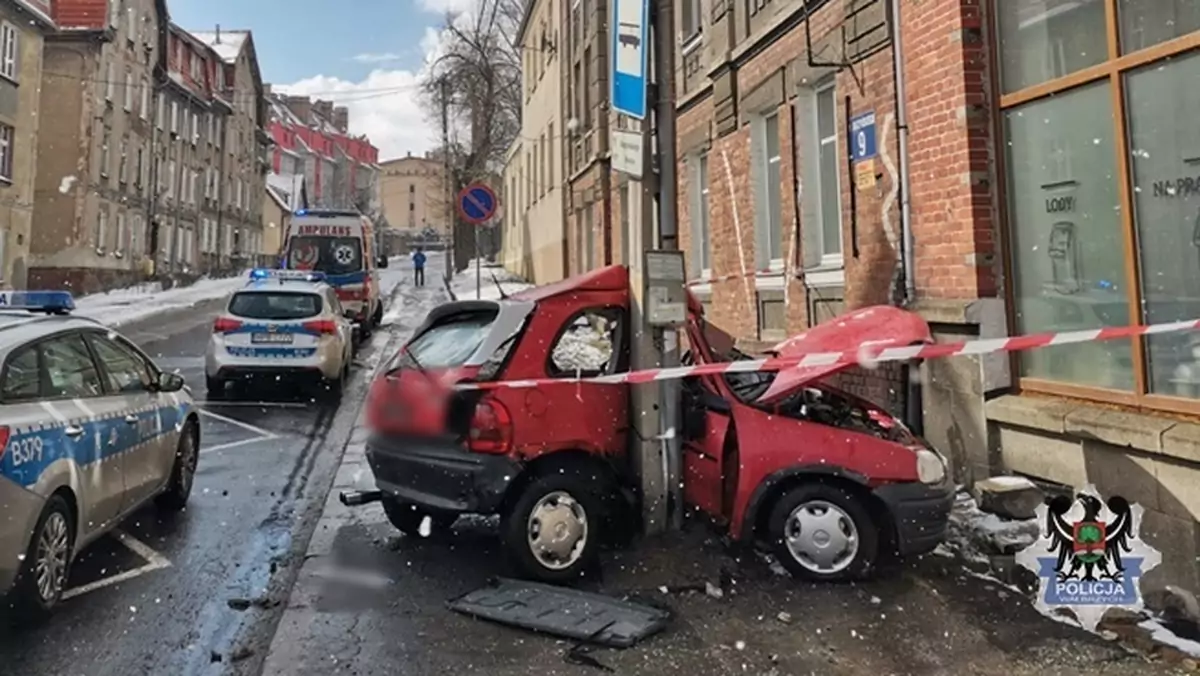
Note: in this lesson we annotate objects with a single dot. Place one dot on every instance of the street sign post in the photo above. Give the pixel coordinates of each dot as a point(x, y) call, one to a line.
point(631, 19)
point(477, 204)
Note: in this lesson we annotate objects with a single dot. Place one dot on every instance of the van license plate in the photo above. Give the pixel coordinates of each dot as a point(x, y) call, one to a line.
point(275, 338)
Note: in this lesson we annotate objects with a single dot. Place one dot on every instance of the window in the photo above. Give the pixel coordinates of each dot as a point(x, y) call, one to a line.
point(162, 104)
point(145, 110)
point(122, 167)
point(104, 157)
point(589, 237)
point(22, 377)
point(768, 209)
point(137, 177)
point(102, 230)
point(589, 345)
point(174, 117)
point(702, 267)
point(124, 370)
point(70, 371)
point(10, 50)
point(7, 138)
point(128, 91)
point(135, 235)
point(689, 20)
point(1073, 219)
point(171, 179)
point(120, 243)
point(109, 82)
point(131, 24)
point(829, 187)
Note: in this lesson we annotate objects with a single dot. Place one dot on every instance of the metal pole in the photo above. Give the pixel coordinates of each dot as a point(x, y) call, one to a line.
point(478, 267)
point(668, 239)
point(449, 196)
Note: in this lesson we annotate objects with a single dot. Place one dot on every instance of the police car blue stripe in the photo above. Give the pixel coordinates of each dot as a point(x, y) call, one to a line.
point(34, 448)
point(273, 328)
point(275, 352)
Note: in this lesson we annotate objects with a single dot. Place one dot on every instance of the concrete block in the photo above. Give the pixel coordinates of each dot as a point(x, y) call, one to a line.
point(1177, 540)
point(1119, 428)
point(1178, 489)
point(1116, 471)
point(1008, 496)
point(1182, 441)
point(1039, 413)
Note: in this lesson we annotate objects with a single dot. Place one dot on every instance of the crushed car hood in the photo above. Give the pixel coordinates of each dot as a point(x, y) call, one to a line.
point(873, 328)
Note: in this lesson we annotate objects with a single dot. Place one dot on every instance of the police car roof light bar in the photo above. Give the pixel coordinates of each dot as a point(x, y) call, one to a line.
point(50, 302)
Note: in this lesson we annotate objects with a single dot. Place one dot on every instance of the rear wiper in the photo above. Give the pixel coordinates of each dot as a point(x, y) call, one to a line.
point(420, 369)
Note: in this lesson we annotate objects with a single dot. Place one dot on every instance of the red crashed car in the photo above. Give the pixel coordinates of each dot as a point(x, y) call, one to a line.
point(828, 480)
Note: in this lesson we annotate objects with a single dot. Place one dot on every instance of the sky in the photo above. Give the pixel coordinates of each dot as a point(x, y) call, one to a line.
point(367, 58)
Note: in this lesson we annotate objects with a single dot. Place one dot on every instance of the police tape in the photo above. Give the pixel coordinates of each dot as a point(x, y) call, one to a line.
point(863, 355)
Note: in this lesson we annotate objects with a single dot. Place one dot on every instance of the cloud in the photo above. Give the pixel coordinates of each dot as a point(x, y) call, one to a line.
point(385, 106)
point(375, 58)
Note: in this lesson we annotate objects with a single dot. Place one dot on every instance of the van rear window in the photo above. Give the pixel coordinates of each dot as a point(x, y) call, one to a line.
point(331, 255)
point(277, 306)
point(451, 341)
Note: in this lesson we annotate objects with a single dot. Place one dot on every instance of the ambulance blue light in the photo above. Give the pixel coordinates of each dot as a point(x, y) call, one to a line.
point(50, 302)
point(302, 212)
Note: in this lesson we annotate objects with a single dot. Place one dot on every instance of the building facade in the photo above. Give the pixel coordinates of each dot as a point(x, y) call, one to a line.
point(93, 202)
point(246, 148)
point(23, 23)
point(1018, 167)
point(412, 192)
point(534, 220)
point(276, 214)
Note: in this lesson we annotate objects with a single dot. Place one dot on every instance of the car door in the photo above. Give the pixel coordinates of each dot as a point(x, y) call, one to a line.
point(75, 398)
point(130, 385)
point(345, 326)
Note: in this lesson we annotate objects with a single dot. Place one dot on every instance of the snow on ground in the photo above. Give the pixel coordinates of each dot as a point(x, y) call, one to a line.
point(977, 535)
point(123, 306)
point(462, 285)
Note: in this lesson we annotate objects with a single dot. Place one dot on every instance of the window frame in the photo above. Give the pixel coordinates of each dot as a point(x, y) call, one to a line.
point(10, 40)
point(99, 336)
point(8, 138)
point(1114, 69)
point(620, 358)
point(44, 368)
point(838, 259)
point(773, 263)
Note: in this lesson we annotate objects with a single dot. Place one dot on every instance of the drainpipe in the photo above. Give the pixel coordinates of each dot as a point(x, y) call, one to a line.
point(914, 410)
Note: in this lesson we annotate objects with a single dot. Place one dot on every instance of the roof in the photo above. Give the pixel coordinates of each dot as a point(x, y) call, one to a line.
point(611, 278)
point(39, 10)
point(17, 327)
point(279, 200)
point(226, 43)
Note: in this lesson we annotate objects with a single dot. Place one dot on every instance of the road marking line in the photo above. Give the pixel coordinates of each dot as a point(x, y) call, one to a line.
point(235, 444)
point(251, 404)
point(236, 422)
point(154, 561)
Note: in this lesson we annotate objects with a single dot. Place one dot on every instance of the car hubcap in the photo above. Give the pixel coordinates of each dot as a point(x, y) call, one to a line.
point(821, 537)
point(50, 567)
point(558, 530)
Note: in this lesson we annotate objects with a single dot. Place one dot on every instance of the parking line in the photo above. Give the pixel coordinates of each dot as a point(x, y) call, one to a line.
point(154, 561)
point(252, 404)
point(236, 422)
point(235, 444)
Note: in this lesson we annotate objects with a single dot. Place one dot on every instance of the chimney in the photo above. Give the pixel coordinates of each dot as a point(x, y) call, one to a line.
point(217, 40)
point(410, 153)
point(301, 107)
point(267, 89)
point(341, 119)
point(325, 108)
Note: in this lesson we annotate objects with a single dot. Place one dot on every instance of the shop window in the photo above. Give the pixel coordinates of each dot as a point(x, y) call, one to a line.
point(1164, 145)
point(1145, 23)
point(589, 345)
point(1067, 246)
point(1042, 40)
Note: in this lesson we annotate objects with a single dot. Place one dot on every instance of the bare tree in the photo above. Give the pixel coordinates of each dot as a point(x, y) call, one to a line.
point(474, 88)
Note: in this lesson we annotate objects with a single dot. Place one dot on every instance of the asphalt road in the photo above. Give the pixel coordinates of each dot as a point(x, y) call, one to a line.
point(193, 594)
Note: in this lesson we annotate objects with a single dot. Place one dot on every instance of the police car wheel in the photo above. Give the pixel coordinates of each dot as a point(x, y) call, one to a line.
point(183, 472)
point(43, 576)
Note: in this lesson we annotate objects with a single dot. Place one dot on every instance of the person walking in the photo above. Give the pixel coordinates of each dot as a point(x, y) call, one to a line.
point(418, 259)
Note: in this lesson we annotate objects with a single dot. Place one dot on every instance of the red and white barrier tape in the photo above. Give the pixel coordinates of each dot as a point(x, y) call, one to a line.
point(863, 355)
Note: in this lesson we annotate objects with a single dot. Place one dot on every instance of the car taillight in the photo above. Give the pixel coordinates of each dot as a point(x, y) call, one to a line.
point(225, 325)
point(491, 428)
point(321, 326)
point(4, 432)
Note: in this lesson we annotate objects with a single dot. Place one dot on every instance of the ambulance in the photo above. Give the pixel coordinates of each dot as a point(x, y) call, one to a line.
point(341, 244)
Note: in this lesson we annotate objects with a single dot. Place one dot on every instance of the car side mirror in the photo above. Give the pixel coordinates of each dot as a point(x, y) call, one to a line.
point(383, 261)
point(170, 382)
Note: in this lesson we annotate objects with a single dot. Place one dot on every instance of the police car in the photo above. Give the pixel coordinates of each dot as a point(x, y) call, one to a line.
point(283, 324)
point(90, 430)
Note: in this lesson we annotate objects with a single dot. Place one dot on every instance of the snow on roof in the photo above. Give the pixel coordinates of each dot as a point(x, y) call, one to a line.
point(279, 199)
point(226, 43)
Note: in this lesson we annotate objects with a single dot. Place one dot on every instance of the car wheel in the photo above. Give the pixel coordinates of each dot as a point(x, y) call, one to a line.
point(215, 387)
point(377, 319)
point(824, 533)
point(554, 529)
point(42, 578)
point(183, 472)
point(408, 518)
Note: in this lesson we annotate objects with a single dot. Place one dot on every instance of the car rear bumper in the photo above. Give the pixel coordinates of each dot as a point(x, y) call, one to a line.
point(440, 474)
point(325, 361)
point(920, 514)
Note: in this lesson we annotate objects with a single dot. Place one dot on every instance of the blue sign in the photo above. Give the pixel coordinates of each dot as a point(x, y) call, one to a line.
point(629, 63)
point(862, 136)
point(476, 203)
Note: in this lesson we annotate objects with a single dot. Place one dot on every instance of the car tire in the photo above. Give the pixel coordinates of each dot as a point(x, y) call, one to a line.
point(842, 542)
point(183, 471)
point(53, 541)
point(543, 499)
point(407, 518)
point(215, 387)
point(377, 318)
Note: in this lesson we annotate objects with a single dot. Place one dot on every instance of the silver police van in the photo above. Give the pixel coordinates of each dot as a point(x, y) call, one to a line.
point(284, 324)
point(90, 430)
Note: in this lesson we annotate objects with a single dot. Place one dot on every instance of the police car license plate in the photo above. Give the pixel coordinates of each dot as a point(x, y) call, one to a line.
point(271, 338)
